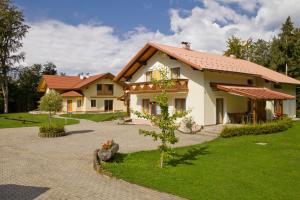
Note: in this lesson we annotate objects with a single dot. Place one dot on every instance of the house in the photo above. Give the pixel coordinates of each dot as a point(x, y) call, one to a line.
point(97, 93)
point(216, 89)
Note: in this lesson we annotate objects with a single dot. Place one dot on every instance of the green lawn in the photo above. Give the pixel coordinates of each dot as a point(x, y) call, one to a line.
point(231, 168)
point(12, 120)
point(96, 117)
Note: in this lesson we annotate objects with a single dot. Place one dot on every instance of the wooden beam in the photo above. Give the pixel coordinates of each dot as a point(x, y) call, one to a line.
point(254, 110)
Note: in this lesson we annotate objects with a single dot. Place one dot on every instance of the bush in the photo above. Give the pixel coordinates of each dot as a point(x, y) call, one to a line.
point(54, 130)
point(298, 113)
point(258, 129)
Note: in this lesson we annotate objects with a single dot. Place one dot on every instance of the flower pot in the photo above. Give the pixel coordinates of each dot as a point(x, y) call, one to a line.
point(105, 155)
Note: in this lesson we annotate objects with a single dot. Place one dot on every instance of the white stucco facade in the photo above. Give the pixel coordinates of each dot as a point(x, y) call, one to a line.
point(201, 97)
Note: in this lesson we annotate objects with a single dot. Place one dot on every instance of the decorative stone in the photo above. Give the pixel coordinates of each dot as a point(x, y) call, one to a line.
point(105, 155)
point(195, 128)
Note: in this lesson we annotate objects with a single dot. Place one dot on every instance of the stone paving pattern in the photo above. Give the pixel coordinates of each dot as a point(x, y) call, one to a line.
point(61, 168)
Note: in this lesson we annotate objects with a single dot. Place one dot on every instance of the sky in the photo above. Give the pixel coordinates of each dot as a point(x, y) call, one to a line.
point(95, 36)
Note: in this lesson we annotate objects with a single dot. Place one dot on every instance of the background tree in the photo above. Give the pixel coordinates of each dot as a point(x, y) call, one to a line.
point(282, 50)
point(51, 102)
point(261, 52)
point(239, 48)
point(234, 47)
point(49, 69)
point(28, 81)
point(12, 31)
point(165, 121)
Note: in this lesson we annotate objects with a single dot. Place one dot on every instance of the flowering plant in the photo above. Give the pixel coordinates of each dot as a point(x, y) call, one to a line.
point(108, 144)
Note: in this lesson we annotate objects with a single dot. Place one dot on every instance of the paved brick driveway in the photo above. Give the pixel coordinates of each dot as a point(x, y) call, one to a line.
point(61, 168)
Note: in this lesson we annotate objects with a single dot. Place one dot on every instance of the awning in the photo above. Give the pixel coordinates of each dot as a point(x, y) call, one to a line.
point(71, 93)
point(254, 92)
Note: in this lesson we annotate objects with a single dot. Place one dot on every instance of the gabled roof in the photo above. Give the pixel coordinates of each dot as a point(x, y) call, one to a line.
point(69, 82)
point(203, 61)
point(72, 93)
point(254, 92)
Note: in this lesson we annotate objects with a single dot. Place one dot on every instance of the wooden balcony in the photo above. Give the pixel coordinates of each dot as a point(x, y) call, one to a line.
point(180, 85)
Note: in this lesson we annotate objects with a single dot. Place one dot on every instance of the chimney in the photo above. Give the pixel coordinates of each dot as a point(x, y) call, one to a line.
point(87, 75)
point(186, 45)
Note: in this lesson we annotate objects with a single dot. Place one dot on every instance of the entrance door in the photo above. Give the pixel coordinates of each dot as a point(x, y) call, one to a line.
point(220, 110)
point(69, 105)
point(108, 105)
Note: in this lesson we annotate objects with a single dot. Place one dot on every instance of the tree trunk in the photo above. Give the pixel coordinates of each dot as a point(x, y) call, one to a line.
point(49, 117)
point(162, 159)
point(4, 88)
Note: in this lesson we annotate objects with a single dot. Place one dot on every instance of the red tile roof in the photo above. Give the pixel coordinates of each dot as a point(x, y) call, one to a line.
point(71, 93)
point(71, 82)
point(208, 61)
point(254, 92)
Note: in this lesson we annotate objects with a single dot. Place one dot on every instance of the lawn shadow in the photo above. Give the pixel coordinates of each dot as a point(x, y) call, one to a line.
point(118, 158)
point(12, 191)
point(79, 132)
point(187, 158)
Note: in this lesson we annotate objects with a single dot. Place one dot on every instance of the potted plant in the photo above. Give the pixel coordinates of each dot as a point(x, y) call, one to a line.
point(108, 150)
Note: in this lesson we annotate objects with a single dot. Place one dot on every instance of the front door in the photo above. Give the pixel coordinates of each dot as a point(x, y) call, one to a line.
point(69, 105)
point(220, 110)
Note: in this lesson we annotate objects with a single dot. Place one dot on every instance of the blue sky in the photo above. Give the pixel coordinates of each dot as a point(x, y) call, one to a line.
point(101, 36)
point(123, 15)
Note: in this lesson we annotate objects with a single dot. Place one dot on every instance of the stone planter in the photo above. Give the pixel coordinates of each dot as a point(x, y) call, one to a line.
point(105, 155)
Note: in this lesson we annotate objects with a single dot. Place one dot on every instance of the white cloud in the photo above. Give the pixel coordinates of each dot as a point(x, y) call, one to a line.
point(95, 48)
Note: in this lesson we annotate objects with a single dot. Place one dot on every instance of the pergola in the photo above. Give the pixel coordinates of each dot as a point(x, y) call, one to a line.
point(254, 93)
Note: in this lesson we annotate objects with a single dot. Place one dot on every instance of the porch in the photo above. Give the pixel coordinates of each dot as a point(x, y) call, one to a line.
point(262, 104)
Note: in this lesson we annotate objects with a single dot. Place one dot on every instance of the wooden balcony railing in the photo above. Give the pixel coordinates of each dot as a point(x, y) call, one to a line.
point(180, 85)
point(107, 92)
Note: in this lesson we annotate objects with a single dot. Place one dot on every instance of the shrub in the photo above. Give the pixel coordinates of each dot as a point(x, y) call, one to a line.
point(298, 113)
point(54, 130)
point(189, 123)
point(258, 129)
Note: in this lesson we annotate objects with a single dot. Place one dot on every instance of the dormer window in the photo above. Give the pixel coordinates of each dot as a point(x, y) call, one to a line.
point(175, 73)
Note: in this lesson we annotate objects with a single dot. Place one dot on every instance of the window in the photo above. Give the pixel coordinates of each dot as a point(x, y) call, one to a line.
point(79, 103)
point(93, 103)
point(105, 89)
point(278, 108)
point(110, 88)
point(108, 105)
point(99, 87)
point(148, 76)
point(146, 105)
point(175, 73)
point(250, 82)
point(180, 105)
point(277, 86)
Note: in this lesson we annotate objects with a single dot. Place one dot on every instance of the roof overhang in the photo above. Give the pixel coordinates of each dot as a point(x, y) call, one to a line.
point(142, 56)
point(72, 93)
point(255, 93)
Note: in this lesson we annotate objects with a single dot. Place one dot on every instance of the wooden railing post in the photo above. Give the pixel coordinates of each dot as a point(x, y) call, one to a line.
point(254, 110)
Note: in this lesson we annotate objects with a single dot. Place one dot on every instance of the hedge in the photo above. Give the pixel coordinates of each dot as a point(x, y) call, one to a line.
point(257, 129)
point(54, 130)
